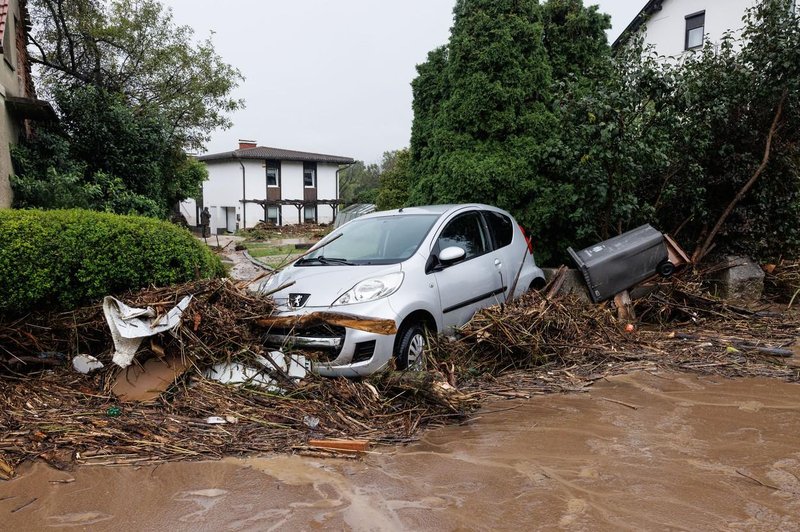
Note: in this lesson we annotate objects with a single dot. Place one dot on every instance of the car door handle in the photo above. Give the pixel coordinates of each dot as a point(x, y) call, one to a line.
point(497, 263)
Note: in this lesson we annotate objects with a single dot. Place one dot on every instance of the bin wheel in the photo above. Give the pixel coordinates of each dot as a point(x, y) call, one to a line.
point(665, 268)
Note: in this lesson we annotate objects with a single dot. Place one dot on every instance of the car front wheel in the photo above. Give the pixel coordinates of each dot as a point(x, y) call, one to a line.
point(410, 351)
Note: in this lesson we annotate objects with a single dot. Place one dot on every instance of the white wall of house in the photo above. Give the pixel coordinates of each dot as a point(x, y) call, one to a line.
point(223, 191)
point(326, 189)
point(291, 189)
point(666, 29)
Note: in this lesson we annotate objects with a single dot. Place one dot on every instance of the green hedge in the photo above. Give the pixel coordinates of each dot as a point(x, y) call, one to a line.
point(61, 258)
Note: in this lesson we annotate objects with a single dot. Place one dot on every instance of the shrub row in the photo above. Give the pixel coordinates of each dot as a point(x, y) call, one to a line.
point(62, 258)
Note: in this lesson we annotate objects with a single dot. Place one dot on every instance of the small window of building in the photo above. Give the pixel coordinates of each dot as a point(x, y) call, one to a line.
point(310, 214)
point(309, 174)
point(272, 215)
point(273, 173)
point(695, 30)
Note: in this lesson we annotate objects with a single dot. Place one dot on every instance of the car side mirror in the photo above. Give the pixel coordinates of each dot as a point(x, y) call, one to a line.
point(452, 254)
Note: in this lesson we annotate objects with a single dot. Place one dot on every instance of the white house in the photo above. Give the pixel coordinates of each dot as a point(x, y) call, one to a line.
point(258, 183)
point(674, 27)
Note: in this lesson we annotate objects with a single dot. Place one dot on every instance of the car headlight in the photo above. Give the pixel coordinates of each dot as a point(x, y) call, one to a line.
point(371, 289)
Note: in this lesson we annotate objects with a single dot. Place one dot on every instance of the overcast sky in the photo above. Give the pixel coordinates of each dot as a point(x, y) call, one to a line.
point(330, 76)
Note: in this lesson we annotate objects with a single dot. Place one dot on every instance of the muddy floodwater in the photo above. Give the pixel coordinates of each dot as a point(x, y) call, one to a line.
point(639, 452)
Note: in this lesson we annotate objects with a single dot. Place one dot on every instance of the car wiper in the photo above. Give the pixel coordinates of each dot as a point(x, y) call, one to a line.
point(334, 260)
point(325, 260)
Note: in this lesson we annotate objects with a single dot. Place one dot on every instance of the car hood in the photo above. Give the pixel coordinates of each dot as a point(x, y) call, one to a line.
point(322, 284)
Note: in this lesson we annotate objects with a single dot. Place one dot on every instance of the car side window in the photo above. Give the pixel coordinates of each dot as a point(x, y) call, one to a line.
point(466, 232)
point(500, 227)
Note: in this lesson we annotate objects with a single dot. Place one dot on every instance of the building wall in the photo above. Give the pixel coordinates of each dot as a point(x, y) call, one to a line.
point(11, 85)
point(291, 189)
point(666, 29)
point(326, 189)
point(223, 192)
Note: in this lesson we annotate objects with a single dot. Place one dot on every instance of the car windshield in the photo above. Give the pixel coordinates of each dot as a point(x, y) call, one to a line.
point(380, 240)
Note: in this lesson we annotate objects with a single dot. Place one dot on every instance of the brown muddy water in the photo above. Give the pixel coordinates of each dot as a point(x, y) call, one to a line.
point(639, 452)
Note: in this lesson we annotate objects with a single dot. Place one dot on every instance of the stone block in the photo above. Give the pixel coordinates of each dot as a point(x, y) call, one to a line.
point(741, 280)
point(574, 283)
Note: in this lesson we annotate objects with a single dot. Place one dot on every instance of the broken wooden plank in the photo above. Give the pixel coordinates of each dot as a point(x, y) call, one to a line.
point(624, 306)
point(313, 319)
point(351, 446)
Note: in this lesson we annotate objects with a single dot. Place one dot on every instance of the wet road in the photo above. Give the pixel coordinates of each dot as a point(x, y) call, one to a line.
point(640, 452)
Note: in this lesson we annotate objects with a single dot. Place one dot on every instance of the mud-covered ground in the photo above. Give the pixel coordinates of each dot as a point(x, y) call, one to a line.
point(645, 451)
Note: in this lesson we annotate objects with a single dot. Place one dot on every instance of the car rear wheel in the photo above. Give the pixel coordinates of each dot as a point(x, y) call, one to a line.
point(410, 347)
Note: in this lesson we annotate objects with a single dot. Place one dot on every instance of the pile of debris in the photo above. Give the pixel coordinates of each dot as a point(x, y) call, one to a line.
point(204, 389)
point(782, 281)
point(270, 231)
point(541, 343)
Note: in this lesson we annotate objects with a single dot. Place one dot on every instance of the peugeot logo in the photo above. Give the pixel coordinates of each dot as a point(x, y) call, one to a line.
point(298, 300)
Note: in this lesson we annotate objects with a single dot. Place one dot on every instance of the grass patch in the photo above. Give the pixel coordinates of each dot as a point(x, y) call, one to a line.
point(262, 249)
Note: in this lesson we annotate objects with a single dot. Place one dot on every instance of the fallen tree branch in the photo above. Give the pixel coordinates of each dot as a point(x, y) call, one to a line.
point(702, 250)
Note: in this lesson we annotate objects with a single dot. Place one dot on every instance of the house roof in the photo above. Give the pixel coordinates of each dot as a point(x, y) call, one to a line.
point(3, 18)
point(264, 152)
point(652, 6)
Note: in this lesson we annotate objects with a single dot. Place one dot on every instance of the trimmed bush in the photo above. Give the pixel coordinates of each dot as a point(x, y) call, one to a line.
point(61, 258)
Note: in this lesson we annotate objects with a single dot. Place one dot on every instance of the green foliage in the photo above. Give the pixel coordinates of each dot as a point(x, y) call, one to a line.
point(575, 39)
point(526, 109)
point(61, 258)
point(134, 48)
point(358, 182)
point(133, 91)
point(481, 108)
point(395, 180)
point(138, 170)
point(385, 184)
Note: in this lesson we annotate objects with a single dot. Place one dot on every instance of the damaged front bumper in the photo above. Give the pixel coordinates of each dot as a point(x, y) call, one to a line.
point(346, 345)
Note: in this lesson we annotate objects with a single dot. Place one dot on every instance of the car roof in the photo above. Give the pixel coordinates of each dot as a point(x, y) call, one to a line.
point(432, 209)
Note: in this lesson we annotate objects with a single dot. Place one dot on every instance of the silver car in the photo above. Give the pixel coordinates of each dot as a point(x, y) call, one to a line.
point(427, 268)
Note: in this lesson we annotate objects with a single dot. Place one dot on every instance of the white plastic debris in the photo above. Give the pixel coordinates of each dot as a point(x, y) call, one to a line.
point(311, 421)
point(294, 366)
point(129, 326)
point(216, 420)
point(86, 364)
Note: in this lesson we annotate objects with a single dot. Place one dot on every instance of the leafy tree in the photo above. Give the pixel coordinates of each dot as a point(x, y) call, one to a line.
point(481, 107)
point(394, 180)
point(707, 148)
point(134, 48)
point(133, 92)
point(358, 182)
point(137, 170)
point(708, 142)
point(575, 39)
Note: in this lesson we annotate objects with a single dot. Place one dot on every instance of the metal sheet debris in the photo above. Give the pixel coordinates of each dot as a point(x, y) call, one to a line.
point(293, 367)
point(130, 325)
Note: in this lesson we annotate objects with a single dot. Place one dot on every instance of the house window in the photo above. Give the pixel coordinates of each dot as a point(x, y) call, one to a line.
point(309, 174)
point(272, 215)
point(695, 30)
point(310, 214)
point(273, 173)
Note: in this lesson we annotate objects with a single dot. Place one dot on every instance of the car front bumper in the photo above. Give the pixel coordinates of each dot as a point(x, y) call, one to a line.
point(346, 352)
